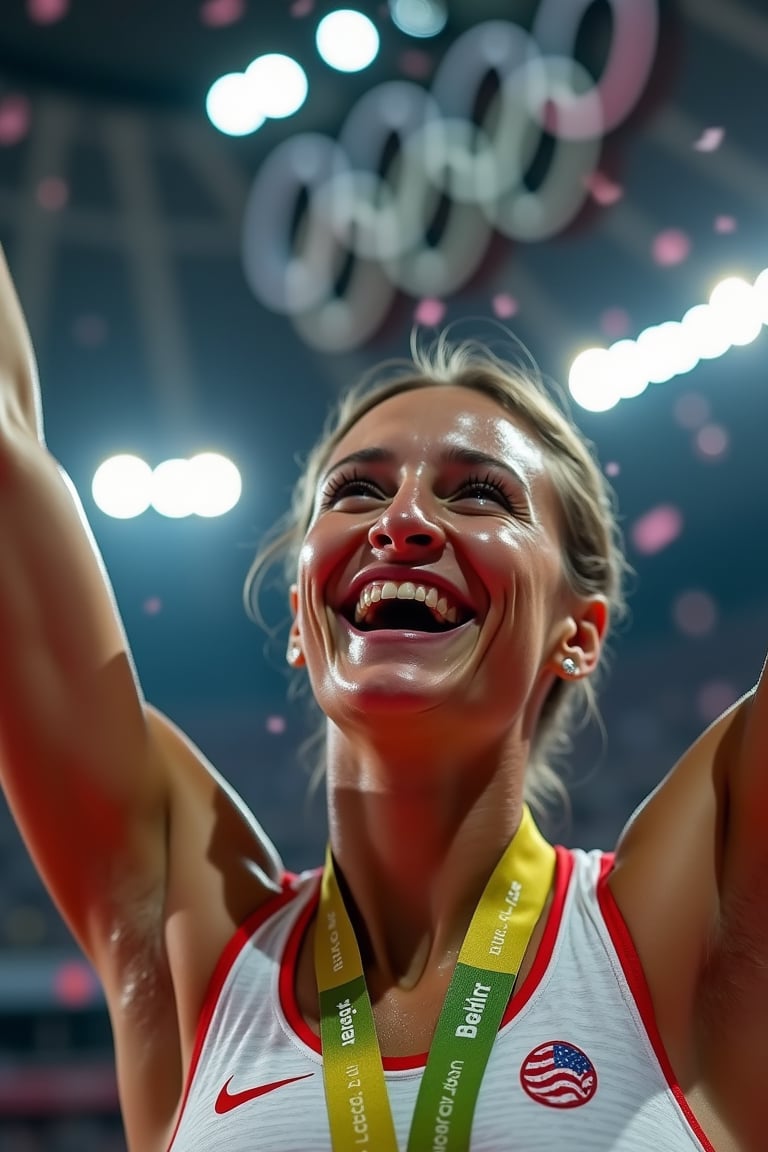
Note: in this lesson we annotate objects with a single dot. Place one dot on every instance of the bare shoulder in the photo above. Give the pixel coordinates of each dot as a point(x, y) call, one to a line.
point(698, 922)
point(667, 877)
point(220, 868)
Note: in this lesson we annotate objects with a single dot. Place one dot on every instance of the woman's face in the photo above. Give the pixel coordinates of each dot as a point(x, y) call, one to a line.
point(430, 577)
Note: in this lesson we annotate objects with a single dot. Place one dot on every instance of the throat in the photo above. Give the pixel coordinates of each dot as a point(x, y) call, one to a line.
point(413, 973)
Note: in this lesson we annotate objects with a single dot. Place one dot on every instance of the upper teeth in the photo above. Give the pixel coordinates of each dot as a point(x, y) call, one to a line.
point(442, 608)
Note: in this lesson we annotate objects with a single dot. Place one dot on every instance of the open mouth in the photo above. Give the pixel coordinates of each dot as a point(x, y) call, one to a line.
point(411, 608)
point(403, 616)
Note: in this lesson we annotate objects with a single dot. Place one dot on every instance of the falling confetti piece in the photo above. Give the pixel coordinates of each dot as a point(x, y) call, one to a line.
point(603, 190)
point(52, 193)
point(504, 305)
point(692, 410)
point(711, 442)
point(671, 247)
point(612, 468)
point(725, 224)
point(221, 13)
point(15, 116)
point(614, 323)
point(714, 698)
point(47, 11)
point(657, 529)
point(695, 613)
point(153, 606)
point(276, 725)
point(74, 984)
point(710, 140)
point(415, 64)
point(301, 8)
point(429, 312)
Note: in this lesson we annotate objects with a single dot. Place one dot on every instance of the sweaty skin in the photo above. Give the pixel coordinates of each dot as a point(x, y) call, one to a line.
point(154, 861)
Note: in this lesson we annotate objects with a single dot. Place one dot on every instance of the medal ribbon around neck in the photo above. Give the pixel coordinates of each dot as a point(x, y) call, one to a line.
point(359, 1112)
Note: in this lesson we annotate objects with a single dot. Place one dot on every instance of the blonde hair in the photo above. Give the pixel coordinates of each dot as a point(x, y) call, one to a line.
point(593, 556)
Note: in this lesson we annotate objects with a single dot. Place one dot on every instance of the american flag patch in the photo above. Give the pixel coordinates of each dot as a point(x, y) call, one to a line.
point(559, 1075)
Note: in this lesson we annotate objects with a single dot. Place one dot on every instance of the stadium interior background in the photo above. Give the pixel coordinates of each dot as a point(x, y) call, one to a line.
point(123, 212)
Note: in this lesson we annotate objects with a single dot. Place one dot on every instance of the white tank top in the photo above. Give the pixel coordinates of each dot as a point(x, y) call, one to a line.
point(578, 1063)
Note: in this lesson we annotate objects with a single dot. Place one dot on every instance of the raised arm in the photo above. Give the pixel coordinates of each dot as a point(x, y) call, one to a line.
point(77, 761)
point(692, 883)
point(745, 854)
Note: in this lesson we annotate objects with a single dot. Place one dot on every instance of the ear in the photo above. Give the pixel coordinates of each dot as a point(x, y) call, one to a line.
point(581, 638)
point(294, 654)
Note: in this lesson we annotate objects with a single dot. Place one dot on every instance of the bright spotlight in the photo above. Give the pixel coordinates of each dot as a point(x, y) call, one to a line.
point(216, 484)
point(760, 289)
point(592, 381)
point(121, 486)
point(231, 106)
point(347, 40)
point(707, 336)
point(278, 85)
point(419, 18)
point(737, 308)
point(630, 379)
point(172, 493)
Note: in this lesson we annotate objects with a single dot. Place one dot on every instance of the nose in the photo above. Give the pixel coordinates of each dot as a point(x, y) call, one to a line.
point(407, 526)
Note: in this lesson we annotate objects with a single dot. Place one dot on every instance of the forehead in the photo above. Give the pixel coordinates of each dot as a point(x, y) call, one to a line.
point(425, 422)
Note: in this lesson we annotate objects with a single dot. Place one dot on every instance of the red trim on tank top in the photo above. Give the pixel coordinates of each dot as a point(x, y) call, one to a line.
point(287, 981)
point(231, 951)
point(641, 994)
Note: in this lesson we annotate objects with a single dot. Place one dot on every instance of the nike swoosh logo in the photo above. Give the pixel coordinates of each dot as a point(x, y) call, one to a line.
point(226, 1100)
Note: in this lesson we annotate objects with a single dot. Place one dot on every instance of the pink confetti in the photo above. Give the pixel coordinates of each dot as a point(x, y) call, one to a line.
point(221, 13)
point(612, 468)
point(692, 410)
point(671, 247)
point(614, 323)
point(415, 64)
point(603, 190)
point(275, 724)
point(504, 305)
point(47, 11)
point(429, 312)
point(152, 606)
point(710, 140)
point(725, 224)
point(711, 442)
point(15, 118)
point(695, 613)
point(52, 193)
point(301, 8)
point(713, 698)
point(74, 984)
point(90, 330)
point(657, 529)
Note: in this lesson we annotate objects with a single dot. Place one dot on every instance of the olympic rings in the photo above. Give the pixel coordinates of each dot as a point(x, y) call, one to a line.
point(410, 194)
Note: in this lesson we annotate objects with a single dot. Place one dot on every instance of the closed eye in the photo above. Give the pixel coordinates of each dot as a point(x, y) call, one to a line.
point(487, 488)
point(346, 484)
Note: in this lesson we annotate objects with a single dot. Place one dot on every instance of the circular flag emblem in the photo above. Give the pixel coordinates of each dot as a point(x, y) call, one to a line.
point(559, 1075)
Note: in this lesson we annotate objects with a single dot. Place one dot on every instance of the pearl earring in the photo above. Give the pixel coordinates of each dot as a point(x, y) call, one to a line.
point(569, 666)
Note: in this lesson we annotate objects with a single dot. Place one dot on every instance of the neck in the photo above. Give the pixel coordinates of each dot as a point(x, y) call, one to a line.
point(415, 844)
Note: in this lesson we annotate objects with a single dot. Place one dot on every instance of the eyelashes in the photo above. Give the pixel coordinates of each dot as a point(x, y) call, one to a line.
point(489, 486)
point(346, 484)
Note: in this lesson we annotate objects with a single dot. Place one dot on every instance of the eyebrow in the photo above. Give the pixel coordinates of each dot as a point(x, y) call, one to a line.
point(455, 455)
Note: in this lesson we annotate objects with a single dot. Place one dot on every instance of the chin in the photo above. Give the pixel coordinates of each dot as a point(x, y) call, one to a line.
point(383, 691)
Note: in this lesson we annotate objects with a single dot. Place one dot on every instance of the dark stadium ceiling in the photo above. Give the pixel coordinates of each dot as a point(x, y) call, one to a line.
point(121, 210)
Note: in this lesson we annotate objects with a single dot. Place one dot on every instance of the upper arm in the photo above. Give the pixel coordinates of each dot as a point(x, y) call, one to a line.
point(745, 858)
point(77, 763)
point(669, 876)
